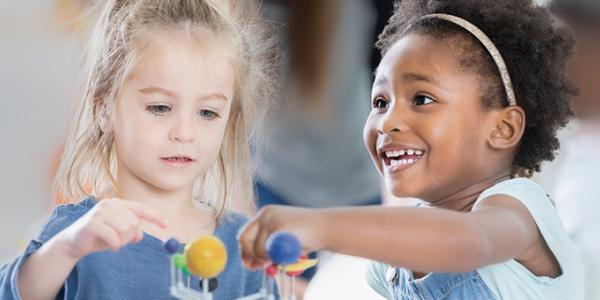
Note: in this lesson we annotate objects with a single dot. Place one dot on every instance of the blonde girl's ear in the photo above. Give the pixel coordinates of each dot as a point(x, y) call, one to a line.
point(102, 118)
point(103, 123)
point(509, 128)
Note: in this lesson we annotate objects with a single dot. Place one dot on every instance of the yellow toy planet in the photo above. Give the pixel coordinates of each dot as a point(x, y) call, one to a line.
point(301, 265)
point(206, 256)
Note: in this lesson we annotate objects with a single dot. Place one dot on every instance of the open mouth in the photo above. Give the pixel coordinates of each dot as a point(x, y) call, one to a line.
point(175, 159)
point(401, 157)
point(178, 161)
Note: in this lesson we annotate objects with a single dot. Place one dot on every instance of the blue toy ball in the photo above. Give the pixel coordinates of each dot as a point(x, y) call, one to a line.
point(173, 246)
point(283, 248)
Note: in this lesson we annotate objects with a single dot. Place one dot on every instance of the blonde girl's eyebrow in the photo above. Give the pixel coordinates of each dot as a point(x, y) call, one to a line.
point(214, 96)
point(158, 90)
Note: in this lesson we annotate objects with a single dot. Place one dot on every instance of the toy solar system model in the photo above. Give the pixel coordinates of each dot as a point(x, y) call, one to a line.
point(206, 257)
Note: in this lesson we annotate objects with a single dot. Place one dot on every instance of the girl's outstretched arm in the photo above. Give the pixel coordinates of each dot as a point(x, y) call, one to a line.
point(421, 239)
point(111, 224)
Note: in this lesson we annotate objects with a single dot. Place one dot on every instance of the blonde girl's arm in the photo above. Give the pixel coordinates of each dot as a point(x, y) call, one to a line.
point(420, 239)
point(111, 224)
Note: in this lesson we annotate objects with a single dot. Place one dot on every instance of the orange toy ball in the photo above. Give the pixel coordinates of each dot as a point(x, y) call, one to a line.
point(206, 256)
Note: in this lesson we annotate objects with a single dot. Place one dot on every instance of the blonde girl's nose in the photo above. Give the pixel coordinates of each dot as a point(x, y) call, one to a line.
point(182, 130)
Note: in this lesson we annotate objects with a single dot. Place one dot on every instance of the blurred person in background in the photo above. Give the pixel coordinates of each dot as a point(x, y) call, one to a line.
point(577, 190)
point(314, 155)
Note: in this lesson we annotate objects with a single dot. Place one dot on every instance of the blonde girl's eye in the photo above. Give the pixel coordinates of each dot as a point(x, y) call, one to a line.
point(158, 109)
point(380, 103)
point(208, 114)
point(422, 100)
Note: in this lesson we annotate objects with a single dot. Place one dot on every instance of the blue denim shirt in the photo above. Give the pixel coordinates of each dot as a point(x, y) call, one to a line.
point(137, 271)
point(440, 286)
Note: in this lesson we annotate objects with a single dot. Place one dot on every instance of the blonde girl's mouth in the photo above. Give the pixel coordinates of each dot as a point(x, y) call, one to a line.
point(177, 161)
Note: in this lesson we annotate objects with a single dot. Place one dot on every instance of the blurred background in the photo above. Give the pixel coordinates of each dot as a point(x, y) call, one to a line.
point(37, 70)
point(38, 59)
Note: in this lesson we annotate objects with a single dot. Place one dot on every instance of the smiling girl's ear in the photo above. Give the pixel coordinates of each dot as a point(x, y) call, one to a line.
point(510, 125)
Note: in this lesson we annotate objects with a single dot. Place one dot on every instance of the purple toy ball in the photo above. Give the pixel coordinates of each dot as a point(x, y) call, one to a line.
point(172, 246)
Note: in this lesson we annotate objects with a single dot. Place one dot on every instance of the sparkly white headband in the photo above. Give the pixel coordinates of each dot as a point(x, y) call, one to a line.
point(488, 44)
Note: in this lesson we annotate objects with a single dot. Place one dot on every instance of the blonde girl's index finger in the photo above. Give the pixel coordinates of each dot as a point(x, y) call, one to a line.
point(146, 213)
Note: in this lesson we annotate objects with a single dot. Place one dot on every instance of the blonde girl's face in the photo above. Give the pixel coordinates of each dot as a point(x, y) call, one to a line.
point(172, 112)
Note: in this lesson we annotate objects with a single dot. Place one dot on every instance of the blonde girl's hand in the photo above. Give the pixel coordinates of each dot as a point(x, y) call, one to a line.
point(111, 224)
point(305, 224)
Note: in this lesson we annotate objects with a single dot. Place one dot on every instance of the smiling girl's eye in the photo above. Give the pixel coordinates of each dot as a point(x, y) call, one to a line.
point(207, 114)
point(158, 109)
point(422, 100)
point(380, 103)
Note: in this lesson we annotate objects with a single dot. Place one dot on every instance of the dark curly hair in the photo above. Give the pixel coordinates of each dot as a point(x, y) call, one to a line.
point(536, 51)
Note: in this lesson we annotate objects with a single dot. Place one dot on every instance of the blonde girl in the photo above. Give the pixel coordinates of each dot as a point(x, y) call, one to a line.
point(158, 150)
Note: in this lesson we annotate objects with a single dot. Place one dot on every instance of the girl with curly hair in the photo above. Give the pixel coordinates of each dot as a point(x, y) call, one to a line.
point(464, 108)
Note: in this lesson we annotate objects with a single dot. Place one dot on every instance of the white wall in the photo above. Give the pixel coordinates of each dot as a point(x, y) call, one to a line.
point(36, 71)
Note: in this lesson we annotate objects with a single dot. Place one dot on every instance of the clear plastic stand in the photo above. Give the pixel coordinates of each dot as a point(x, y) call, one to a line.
point(180, 288)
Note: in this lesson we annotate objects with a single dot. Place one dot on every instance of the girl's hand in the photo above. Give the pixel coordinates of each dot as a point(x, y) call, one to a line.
point(304, 223)
point(111, 224)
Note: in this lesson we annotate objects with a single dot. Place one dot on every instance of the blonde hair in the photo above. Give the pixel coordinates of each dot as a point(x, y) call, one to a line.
point(89, 162)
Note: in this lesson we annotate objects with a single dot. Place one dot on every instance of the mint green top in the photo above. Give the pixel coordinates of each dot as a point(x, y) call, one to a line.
point(510, 279)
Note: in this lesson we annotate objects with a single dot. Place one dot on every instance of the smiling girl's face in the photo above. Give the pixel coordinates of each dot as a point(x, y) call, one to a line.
point(428, 131)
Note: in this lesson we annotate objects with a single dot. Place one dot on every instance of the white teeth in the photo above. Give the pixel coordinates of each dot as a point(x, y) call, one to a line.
point(395, 162)
point(392, 153)
point(178, 158)
point(397, 153)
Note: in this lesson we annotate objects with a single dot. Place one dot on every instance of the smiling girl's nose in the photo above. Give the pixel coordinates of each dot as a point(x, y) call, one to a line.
point(394, 120)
